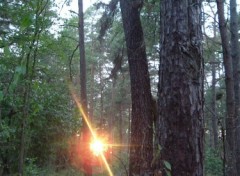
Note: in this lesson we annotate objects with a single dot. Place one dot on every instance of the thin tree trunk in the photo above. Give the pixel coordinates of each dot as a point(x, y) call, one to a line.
point(129, 128)
point(141, 141)
point(113, 112)
point(23, 133)
point(214, 115)
point(236, 73)
point(120, 127)
point(213, 104)
point(101, 93)
point(180, 121)
point(230, 119)
point(91, 104)
point(93, 67)
point(83, 93)
point(27, 91)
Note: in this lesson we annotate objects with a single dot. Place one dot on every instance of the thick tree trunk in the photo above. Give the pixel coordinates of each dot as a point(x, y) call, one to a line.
point(83, 93)
point(141, 142)
point(180, 120)
point(236, 73)
point(230, 119)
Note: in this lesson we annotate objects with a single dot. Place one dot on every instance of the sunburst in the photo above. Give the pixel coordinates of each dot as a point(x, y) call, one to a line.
point(98, 144)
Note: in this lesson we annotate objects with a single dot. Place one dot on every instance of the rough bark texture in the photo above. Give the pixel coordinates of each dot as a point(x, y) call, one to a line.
point(236, 73)
point(180, 120)
point(141, 142)
point(230, 119)
point(83, 93)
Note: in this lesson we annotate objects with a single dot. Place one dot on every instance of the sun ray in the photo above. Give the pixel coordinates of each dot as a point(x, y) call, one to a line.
point(85, 118)
point(106, 164)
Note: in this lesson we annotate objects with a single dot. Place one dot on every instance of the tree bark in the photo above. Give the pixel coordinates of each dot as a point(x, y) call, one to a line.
point(101, 92)
point(214, 115)
point(141, 142)
point(180, 121)
point(236, 74)
point(230, 119)
point(91, 104)
point(120, 124)
point(83, 93)
point(213, 104)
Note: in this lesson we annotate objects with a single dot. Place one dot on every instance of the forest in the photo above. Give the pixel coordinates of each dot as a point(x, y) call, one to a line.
point(121, 88)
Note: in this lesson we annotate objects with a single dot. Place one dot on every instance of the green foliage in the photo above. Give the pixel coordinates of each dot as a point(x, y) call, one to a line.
point(30, 63)
point(167, 165)
point(69, 171)
point(213, 163)
point(31, 168)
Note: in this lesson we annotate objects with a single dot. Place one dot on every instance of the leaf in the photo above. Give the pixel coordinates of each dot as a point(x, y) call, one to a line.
point(167, 165)
point(26, 21)
point(19, 70)
point(168, 173)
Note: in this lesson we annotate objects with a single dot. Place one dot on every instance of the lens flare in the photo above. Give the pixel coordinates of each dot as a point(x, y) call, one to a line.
point(85, 118)
point(98, 147)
